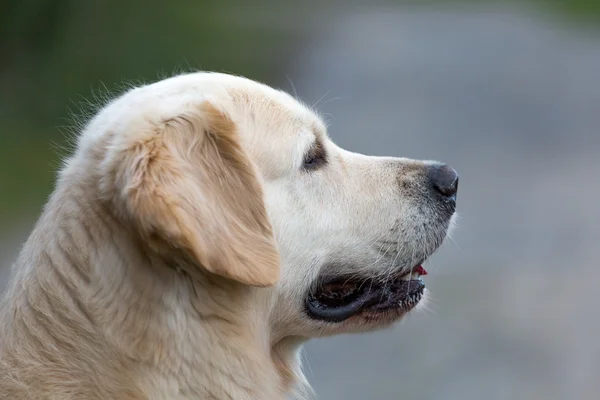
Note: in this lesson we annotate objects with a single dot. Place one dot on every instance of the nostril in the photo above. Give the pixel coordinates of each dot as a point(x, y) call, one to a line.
point(444, 179)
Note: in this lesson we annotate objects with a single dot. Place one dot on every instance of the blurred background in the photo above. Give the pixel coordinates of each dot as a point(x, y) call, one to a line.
point(506, 92)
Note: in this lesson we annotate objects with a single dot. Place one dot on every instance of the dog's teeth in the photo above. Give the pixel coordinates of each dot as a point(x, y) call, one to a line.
point(412, 276)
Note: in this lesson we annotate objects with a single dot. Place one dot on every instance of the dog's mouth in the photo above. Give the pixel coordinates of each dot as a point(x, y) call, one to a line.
point(338, 299)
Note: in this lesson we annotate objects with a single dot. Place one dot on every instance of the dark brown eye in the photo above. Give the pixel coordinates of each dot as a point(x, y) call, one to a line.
point(313, 162)
point(315, 158)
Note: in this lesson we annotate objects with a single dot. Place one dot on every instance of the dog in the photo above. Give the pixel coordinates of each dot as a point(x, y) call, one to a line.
point(203, 229)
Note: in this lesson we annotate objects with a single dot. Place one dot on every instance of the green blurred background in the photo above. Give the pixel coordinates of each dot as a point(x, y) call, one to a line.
point(507, 92)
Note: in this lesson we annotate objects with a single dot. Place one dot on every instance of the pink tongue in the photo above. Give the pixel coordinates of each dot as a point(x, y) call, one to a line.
point(420, 270)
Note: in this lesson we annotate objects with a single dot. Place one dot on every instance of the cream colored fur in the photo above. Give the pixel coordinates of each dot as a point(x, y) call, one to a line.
point(172, 259)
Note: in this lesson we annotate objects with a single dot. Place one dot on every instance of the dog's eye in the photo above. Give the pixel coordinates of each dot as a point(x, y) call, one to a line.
point(313, 162)
point(315, 158)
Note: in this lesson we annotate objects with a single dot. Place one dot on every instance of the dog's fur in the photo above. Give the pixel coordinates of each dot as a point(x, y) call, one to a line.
point(174, 256)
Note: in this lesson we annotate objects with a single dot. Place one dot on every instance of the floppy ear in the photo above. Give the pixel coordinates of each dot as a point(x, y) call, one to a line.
point(187, 183)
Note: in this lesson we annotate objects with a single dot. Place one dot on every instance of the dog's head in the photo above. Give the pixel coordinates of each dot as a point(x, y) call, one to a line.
point(241, 181)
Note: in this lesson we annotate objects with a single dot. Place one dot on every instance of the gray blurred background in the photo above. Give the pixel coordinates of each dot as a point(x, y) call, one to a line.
point(507, 93)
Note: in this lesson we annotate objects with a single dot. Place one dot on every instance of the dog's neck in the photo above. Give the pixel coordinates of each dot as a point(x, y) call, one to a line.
point(170, 336)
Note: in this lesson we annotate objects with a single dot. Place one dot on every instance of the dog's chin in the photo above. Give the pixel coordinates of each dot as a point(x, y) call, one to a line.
point(354, 304)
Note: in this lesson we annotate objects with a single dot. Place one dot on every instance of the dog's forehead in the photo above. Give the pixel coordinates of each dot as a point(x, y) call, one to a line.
point(269, 108)
point(275, 128)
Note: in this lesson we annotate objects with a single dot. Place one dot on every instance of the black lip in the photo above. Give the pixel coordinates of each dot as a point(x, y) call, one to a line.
point(370, 296)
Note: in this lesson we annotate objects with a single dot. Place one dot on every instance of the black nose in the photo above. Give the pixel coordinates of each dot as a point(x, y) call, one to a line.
point(444, 180)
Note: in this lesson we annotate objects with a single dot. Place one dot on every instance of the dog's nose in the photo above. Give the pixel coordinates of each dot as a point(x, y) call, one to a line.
point(444, 180)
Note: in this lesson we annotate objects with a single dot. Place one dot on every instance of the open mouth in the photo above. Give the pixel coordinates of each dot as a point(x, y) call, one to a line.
point(338, 299)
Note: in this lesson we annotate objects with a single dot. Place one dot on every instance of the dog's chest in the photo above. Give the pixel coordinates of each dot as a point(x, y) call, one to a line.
point(200, 358)
point(159, 387)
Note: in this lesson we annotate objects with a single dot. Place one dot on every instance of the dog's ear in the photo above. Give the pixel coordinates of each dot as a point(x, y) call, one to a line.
point(187, 183)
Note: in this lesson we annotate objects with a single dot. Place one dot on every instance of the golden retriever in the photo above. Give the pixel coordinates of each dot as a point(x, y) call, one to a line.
point(204, 228)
